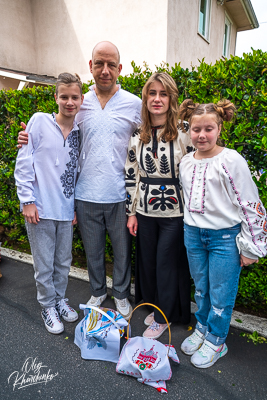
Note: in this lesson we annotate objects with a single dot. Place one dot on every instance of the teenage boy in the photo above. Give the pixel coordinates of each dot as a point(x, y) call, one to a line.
point(45, 176)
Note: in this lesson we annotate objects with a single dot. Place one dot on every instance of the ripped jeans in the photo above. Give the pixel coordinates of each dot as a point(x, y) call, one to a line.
point(214, 264)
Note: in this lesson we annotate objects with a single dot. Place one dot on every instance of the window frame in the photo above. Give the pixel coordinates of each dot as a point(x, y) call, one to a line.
point(227, 38)
point(206, 21)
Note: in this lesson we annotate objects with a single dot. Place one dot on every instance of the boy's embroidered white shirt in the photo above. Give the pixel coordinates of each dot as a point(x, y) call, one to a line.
point(105, 135)
point(219, 193)
point(46, 168)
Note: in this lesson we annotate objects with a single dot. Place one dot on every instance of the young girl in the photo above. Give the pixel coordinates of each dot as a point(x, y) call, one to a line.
point(225, 227)
point(45, 176)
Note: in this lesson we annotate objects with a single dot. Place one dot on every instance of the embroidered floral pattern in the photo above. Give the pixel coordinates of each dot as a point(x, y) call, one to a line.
point(260, 209)
point(132, 156)
point(136, 132)
point(189, 149)
point(186, 126)
point(67, 179)
point(202, 208)
point(250, 227)
point(159, 193)
point(128, 202)
point(150, 165)
point(164, 165)
point(162, 201)
point(130, 175)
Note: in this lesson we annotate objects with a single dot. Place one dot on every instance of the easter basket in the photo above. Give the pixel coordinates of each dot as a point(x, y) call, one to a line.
point(147, 359)
point(98, 333)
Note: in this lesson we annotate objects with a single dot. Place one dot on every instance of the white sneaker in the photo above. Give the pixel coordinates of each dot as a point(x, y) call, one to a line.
point(65, 311)
point(52, 321)
point(192, 343)
point(123, 307)
point(208, 354)
point(96, 301)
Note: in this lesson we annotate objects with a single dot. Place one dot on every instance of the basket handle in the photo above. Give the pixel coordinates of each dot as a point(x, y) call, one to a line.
point(152, 305)
point(83, 307)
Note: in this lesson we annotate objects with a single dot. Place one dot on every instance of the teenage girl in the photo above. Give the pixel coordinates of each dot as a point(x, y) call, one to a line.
point(225, 227)
point(155, 206)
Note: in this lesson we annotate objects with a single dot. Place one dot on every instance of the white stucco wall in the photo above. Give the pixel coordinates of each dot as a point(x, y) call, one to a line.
point(17, 42)
point(47, 37)
point(66, 36)
point(184, 42)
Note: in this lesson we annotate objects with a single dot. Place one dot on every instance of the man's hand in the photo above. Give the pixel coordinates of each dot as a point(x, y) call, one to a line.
point(30, 213)
point(245, 261)
point(23, 136)
point(132, 225)
point(74, 221)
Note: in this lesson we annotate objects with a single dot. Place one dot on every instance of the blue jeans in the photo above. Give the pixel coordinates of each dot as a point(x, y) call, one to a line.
point(214, 264)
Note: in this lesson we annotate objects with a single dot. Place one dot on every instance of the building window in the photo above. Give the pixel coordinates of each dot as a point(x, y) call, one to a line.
point(226, 37)
point(204, 18)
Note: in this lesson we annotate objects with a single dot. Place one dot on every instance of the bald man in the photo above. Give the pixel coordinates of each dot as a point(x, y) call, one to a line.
point(107, 119)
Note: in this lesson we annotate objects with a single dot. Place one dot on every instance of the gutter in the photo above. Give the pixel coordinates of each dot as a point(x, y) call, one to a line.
point(250, 13)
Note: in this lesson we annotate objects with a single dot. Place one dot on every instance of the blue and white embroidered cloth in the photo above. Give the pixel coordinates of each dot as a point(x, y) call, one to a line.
point(98, 333)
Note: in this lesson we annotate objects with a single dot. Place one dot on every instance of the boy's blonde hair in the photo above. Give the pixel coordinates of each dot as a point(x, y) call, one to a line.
point(67, 79)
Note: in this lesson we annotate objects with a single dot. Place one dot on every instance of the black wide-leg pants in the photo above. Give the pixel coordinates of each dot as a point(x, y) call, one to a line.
point(162, 274)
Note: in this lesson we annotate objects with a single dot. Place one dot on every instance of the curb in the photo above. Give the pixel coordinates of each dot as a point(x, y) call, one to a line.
point(249, 323)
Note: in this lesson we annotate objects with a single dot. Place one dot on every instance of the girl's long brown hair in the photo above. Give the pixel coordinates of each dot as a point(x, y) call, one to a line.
point(170, 128)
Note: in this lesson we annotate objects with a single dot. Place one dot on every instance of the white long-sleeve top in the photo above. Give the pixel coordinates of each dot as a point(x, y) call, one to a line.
point(105, 135)
point(219, 193)
point(46, 168)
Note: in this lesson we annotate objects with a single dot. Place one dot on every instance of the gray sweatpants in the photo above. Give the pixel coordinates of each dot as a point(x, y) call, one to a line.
point(51, 247)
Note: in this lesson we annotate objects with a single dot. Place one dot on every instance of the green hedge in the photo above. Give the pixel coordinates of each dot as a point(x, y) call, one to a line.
point(242, 80)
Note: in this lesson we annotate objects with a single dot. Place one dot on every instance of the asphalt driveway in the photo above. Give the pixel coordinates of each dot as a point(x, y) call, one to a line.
point(241, 374)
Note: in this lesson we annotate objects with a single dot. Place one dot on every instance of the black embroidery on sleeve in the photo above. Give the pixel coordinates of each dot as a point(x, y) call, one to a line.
point(189, 149)
point(186, 126)
point(128, 202)
point(130, 175)
point(132, 156)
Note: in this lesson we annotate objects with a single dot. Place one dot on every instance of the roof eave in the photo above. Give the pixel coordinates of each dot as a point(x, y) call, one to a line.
point(243, 14)
point(249, 10)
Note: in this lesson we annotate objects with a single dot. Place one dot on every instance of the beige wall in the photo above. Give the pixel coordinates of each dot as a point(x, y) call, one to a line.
point(17, 44)
point(68, 33)
point(47, 37)
point(184, 42)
